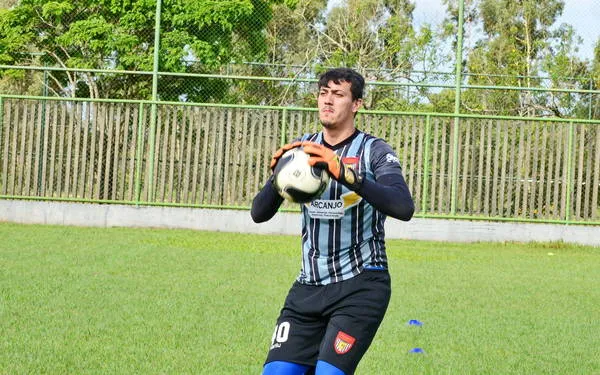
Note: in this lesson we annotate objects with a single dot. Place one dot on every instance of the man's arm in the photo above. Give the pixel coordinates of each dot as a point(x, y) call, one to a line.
point(266, 203)
point(389, 195)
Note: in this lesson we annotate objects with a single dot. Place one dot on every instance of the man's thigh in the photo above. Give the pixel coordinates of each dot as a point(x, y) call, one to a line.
point(300, 327)
point(335, 323)
point(355, 322)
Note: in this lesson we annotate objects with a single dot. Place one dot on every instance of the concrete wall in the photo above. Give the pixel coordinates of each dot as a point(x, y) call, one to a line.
point(80, 214)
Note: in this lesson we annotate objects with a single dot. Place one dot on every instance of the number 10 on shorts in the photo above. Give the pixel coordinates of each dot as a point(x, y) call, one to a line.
point(281, 334)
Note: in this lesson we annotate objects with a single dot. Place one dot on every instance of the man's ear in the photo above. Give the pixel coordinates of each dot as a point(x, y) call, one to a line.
point(356, 105)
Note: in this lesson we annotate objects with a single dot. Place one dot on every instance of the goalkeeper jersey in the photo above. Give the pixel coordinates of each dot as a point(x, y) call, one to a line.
point(342, 234)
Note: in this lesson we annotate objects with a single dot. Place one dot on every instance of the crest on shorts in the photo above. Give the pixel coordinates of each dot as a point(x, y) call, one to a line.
point(343, 343)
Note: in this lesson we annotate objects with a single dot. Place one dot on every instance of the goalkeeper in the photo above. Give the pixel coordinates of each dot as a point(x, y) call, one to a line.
point(338, 301)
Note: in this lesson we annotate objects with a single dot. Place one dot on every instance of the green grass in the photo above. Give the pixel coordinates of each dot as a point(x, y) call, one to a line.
point(154, 301)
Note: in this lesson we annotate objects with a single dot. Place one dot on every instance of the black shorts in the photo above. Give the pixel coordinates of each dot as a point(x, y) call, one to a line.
point(334, 323)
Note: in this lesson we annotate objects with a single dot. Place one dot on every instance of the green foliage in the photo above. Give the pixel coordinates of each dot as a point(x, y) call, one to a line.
point(291, 35)
point(509, 43)
point(120, 35)
point(521, 44)
point(375, 37)
point(370, 34)
point(443, 101)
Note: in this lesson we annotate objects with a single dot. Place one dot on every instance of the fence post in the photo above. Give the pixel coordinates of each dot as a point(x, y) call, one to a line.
point(139, 155)
point(41, 156)
point(1, 131)
point(425, 196)
point(1, 116)
point(591, 99)
point(458, 81)
point(570, 171)
point(156, 49)
point(282, 139)
point(152, 154)
point(153, 110)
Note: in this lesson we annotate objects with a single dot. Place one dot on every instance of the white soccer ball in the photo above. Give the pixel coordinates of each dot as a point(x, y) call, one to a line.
point(296, 180)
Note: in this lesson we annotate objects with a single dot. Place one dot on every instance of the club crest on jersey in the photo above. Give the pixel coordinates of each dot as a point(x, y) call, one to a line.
point(343, 343)
point(352, 161)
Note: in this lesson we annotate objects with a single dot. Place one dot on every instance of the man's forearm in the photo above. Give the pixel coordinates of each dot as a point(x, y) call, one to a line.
point(389, 195)
point(265, 203)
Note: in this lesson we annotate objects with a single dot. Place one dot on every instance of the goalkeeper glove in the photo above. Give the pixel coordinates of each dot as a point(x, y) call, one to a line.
point(323, 157)
point(281, 151)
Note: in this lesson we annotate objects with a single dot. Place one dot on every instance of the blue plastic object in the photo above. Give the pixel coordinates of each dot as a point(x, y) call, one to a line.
point(284, 368)
point(415, 322)
point(417, 351)
point(325, 368)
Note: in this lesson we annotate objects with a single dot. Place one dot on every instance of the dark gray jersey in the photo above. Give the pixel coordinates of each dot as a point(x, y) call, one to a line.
point(342, 233)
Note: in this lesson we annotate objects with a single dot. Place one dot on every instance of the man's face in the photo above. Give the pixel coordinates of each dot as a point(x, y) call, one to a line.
point(336, 107)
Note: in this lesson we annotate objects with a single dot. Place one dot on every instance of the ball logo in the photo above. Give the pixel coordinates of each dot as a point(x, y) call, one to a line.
point(297, 181)
point(343, 343)
point(297, 173)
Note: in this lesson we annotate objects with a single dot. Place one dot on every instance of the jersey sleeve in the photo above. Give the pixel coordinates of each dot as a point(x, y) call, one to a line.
point(266, 203)
point(384, 160)
point(389, 193)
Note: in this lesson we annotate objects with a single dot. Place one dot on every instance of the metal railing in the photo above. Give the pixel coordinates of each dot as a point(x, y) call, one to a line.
point(163, 146)
point(216, 155)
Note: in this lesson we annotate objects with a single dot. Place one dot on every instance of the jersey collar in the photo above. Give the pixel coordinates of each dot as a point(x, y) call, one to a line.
point(342, 143)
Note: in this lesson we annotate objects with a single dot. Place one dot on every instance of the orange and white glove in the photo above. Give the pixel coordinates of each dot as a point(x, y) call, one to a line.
point(324, 157)
point(281, 151)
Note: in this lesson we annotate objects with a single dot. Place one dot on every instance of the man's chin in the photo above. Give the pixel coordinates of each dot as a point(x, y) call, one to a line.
point(327, 124)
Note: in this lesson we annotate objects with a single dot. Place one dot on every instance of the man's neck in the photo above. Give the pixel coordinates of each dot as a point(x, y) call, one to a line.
point(336, 136)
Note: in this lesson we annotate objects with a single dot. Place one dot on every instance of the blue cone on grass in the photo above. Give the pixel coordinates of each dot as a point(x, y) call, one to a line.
point(415, 322)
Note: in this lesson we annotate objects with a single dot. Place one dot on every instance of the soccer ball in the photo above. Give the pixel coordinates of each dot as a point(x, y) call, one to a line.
point(296, 180)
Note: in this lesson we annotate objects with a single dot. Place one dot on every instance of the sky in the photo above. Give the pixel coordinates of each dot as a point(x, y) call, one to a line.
point(583, 15)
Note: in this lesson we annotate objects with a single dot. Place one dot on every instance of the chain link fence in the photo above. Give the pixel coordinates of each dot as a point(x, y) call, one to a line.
point(538, 58)
point(181, 103)
point(217, 156)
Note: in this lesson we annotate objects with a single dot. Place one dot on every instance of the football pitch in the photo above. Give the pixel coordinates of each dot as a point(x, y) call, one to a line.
point(157, 301)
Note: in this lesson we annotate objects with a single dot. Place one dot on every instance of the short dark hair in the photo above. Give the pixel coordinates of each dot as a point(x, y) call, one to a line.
point(337, 75)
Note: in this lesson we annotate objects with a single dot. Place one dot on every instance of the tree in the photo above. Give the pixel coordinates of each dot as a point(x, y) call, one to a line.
point(564, 70)
point(292, 34)
point(594, 100)
point(196, 37)
point(519, 44)
point(290, 53)
point(377, 38)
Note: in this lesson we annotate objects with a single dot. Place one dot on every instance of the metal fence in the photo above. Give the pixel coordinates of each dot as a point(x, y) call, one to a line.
point(265, 52)
point(217, 156)
point(195, 101)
